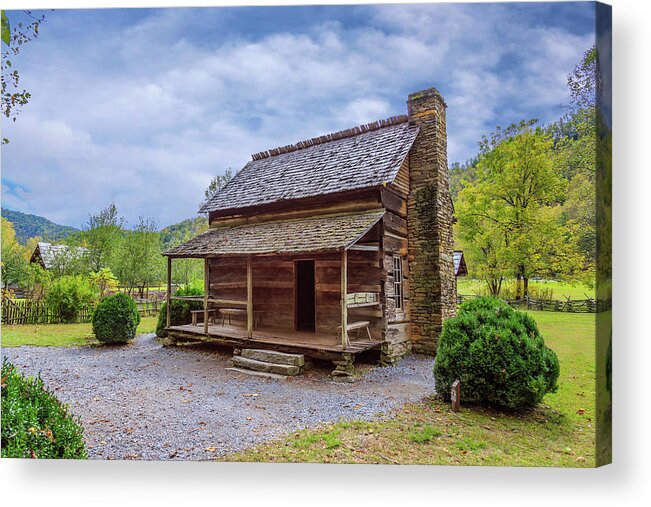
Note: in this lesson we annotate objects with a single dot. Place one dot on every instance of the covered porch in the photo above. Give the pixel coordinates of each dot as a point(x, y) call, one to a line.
point(317, 345)
point(312, 285)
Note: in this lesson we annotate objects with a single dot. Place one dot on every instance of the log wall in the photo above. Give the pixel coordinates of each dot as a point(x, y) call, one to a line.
point(397, 340)
point(273, 288)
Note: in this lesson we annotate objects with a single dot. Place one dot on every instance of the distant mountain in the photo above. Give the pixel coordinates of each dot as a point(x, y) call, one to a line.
point(175, 234)
point(27, 226)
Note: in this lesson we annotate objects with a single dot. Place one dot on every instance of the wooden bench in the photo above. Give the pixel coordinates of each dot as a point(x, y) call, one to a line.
point(195, 313)
point(358, 326)
point(228, 312)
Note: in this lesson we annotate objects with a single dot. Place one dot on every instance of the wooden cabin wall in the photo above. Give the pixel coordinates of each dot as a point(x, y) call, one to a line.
point(273, 288)
point(401, 184)
point(319, 205)
point(273, 291)
point(228, 278)
point(395, 242)
point(364, 275)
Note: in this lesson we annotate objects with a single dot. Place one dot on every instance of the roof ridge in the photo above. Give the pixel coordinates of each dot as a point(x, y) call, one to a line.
point(326, 138)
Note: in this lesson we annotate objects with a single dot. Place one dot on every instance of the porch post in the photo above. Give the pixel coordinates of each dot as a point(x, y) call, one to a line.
point(169, 291)
point(249, 298)
point(206, 289)
point(344, 298)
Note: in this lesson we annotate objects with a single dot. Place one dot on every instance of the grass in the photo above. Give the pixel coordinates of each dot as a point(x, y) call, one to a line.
point(561, 290)
point(60, 335)
point(560, 432)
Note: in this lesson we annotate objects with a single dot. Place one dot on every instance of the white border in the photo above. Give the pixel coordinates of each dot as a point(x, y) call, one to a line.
point(624, 483)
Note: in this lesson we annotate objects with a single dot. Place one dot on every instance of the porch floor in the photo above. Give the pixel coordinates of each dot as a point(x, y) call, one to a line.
point(317, 344)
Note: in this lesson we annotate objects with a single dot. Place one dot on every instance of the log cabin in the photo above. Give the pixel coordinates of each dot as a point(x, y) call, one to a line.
point(333, 246)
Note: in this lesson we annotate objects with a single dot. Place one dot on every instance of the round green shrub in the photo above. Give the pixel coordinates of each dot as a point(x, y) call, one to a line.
point(498, 355)
point(34, 423)
point(179, 309)
point(116, 319)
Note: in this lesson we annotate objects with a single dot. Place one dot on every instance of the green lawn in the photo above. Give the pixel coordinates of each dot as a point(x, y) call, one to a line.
point(60, 335)
point(560, 432)
point(561, 290)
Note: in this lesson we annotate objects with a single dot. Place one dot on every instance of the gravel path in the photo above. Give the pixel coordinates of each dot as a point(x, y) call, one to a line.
point(145, 401)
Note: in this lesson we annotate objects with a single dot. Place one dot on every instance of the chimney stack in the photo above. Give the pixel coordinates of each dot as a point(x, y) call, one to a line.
point(430, 218)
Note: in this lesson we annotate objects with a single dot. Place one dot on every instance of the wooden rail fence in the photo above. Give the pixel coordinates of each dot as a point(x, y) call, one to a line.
point(37, 312)
point(552, 305)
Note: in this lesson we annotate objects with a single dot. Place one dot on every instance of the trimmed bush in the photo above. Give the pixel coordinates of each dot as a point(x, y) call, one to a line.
point(34, 423)
point(497, 353)
point(180, 310)
point(70, 294)
point(116, 319)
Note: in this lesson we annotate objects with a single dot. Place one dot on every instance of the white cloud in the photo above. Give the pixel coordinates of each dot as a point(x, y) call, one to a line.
point(146, 116)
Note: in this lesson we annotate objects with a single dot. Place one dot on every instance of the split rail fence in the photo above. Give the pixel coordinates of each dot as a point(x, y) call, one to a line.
point(37, 312)
point(552, 305)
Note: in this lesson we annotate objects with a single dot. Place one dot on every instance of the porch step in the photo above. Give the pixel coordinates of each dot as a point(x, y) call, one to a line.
point(263, 366)
point(262, 374)
point(273, 357)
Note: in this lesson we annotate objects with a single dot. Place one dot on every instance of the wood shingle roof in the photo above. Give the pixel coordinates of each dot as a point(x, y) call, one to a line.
point(323, 233)
point(50, 254)
point(362, 157)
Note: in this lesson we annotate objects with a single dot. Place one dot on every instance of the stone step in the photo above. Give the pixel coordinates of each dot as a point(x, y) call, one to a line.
point(271, 356)
point(254, 364)
point(262, 374)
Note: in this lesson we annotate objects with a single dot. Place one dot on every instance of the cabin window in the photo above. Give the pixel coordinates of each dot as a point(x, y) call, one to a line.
point(397, 282)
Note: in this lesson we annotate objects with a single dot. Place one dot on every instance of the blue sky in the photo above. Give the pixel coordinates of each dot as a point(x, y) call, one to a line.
point(143, 106)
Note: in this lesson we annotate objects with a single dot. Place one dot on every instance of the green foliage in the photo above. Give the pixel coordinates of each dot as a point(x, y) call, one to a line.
point(510, 216)
point(116, 319)
point(37, 280)
point(105, 281)
point(101, 236)
point(584, 81)
point(13, 37)
point(70, 294)
point(28, 226)
point(179, 309)
point(14, 263)
point(138, 262)
point(176, 234)
point(498, 355)
point(34, 423)
point(186, 271)
point(6, 29)
point(217, 183)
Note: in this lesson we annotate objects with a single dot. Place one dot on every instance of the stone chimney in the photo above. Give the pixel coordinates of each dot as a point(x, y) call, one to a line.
point(429, 223)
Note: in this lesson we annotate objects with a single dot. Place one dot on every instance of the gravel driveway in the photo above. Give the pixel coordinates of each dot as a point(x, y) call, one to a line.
point(144, 401)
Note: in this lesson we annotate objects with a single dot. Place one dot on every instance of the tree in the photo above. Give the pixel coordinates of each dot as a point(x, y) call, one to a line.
point(585, 80)
point(509, 215)
point(575, 152)
point(217, 183)
point(13, 98)
point(30, 246)
point(482, 238)
point(139, 263)
point(13, 262)
point(101, 236)
point(37, 281)
point(105, 281)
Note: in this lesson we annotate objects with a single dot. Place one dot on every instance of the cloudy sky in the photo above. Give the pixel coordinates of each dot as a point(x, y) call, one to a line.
point(143, 106)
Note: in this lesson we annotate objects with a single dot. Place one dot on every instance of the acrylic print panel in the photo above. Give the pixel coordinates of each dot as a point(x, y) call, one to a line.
point(376, 272)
